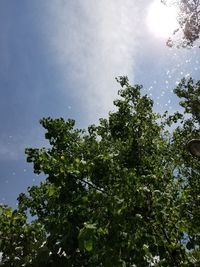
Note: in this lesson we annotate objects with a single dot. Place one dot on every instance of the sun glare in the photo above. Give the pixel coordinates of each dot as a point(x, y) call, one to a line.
point(161, 19)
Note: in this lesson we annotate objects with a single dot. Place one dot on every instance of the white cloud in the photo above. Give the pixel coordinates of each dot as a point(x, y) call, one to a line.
point(92, 42)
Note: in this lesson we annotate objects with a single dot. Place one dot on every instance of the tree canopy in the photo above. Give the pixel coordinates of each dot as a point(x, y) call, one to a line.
point(125, 192)
point(189, 22)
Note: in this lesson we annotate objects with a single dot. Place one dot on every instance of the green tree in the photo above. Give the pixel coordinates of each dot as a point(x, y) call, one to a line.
point(124, 192)
point(189, 22)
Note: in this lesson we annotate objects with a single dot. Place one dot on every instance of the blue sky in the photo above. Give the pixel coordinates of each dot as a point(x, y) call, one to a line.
point(59, 58)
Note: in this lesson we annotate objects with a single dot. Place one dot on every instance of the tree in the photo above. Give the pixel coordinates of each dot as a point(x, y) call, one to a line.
point(123, 193)
point(189, 22)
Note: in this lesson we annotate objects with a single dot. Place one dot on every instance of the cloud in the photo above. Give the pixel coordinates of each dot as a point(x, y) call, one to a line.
point(92, 42)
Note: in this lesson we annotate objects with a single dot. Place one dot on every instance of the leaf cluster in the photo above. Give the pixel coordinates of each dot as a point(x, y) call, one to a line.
point(124, 192)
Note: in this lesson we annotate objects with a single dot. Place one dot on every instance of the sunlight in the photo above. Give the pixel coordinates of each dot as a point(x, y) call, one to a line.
point(161, 19)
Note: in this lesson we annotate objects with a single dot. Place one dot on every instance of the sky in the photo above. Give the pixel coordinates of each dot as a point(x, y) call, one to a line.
point(59, 58)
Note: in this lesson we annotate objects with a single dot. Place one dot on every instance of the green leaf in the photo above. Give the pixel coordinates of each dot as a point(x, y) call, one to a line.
point(51, 190)
point(88, 245)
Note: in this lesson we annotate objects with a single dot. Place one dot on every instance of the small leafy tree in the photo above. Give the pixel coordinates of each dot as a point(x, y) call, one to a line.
point(123, 193)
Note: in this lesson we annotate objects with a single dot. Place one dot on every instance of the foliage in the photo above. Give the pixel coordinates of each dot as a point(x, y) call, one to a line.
point(123, 193)
point(189, 22)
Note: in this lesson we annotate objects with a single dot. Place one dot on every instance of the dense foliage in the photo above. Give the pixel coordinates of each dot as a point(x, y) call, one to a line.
point(189, 22)
point(126, 192)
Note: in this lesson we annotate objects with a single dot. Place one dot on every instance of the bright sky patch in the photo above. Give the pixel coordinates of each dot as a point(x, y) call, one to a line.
point(161, 19)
